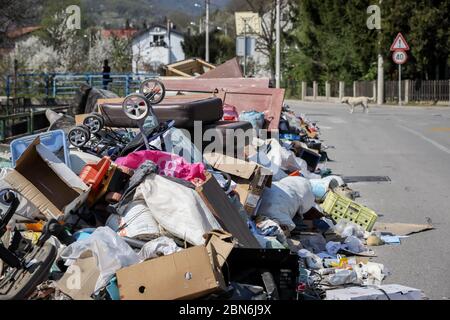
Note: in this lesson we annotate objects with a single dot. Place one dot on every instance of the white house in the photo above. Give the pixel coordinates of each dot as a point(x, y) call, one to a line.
point(155, 46)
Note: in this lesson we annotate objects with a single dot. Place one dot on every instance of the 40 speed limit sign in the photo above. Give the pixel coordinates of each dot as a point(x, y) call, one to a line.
point(400, 57)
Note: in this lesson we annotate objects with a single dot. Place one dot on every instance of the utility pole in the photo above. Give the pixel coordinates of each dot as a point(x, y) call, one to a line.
point(169, 45)
point(278, 45)
point(380, 80)
point(207, 30)
point(245, 48)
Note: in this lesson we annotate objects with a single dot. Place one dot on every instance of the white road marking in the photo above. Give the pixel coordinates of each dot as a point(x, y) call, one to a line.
point(434, 143)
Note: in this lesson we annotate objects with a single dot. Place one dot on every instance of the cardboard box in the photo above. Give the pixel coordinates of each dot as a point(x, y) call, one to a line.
point(394, 291)
point(225, 213)
point(47, 182)
point(250, 177)
point(83, 287)
point(188, 274)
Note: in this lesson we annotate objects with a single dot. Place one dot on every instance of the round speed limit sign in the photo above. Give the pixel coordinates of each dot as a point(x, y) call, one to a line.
point(400, 57)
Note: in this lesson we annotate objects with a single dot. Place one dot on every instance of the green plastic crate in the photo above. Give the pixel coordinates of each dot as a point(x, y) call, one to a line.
point(339, 208)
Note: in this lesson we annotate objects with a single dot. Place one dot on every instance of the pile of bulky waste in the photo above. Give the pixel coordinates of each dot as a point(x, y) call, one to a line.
point(160, 196)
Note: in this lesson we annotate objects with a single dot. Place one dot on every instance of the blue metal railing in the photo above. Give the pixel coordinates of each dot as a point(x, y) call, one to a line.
point(53, 85)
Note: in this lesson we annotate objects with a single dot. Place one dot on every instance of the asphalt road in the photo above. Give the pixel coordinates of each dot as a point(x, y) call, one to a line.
point(411, 145)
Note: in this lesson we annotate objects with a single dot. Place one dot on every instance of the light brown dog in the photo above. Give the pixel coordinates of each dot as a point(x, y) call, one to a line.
point(357, 101)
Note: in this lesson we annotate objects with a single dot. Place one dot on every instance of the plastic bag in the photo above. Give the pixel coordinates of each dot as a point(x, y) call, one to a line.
point(285, 199)
point(274, 156)
point(312, 261)
point(353, 244)
point(169, 164)
point(177, 209)
point(255, 118)
point(137, 222)
point(177, 141)
point(230, 113)
point(110, 251)
point(342, 277)
point(333, 248)
point(371, 273)
point(346, 229)
point(162, 246)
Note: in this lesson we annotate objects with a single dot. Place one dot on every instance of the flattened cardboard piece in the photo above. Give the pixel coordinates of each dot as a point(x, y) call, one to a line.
point(251, 178)
point(230, 165)
point(219, 244)
point(394, 291)
point(401, 229)
point(221, 207)
point(368, 254)
point(47, 182)
point(80, 278)
point(187, 274)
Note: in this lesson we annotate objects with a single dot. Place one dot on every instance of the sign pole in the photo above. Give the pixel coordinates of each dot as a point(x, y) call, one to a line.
point(400, 85)
point(245, 49)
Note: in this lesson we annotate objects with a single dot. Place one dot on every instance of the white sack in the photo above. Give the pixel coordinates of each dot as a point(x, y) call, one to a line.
point(177, 209)
point(285, 199)
point(137, 222)
point(111, 253)
point(162, 246)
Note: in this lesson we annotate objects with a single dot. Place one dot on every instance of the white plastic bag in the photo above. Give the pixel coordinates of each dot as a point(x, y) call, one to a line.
point(177, 142)
point(343, 276)
point(346, 229)
point(110, 251)
point(162, 246)
point(285, 199)
point(178, 209)
point(312, 261)
point(371, 273)
point(353, 244)
point(137, 222)
point(333, 248)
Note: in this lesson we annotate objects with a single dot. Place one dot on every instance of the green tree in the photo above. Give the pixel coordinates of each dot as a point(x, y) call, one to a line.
point(221, 47)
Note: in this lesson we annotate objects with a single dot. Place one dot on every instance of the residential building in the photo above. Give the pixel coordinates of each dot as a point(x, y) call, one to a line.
point(156, 46)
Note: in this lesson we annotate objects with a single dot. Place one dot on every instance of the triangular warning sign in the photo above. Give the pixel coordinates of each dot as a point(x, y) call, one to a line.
point(400, 43)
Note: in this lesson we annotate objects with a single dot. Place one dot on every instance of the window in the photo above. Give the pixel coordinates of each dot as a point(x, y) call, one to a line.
point(158, 41)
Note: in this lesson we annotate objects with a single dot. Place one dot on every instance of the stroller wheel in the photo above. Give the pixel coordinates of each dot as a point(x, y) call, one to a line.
point(79, 136)
point(94, 122)
point(136, 106)
point(153, 90)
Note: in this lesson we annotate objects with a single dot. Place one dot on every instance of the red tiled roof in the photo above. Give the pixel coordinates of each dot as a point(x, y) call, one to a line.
point(16, 33)
point(119, 33)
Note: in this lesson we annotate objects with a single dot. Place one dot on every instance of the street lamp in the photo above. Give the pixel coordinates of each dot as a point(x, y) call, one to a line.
point(278, 45)
point(197, 5)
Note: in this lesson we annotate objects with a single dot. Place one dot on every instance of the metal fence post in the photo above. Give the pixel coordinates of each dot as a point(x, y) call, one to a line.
point(341, 90)
point(327, 90)
point(30, 121)
point(315, 90)
point(354, 88)
point(54, 86)
point(374, 90)
point(407, 85)
point(2, 129)
point(303, 90)
point(8, 87)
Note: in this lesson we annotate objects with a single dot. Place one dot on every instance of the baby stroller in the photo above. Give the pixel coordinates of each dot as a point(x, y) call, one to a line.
point(97, 137)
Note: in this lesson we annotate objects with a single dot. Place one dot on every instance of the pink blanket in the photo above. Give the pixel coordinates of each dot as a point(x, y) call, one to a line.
point(169, 164)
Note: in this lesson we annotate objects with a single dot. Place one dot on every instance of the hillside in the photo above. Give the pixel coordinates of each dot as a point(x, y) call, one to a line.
point(115, 13)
